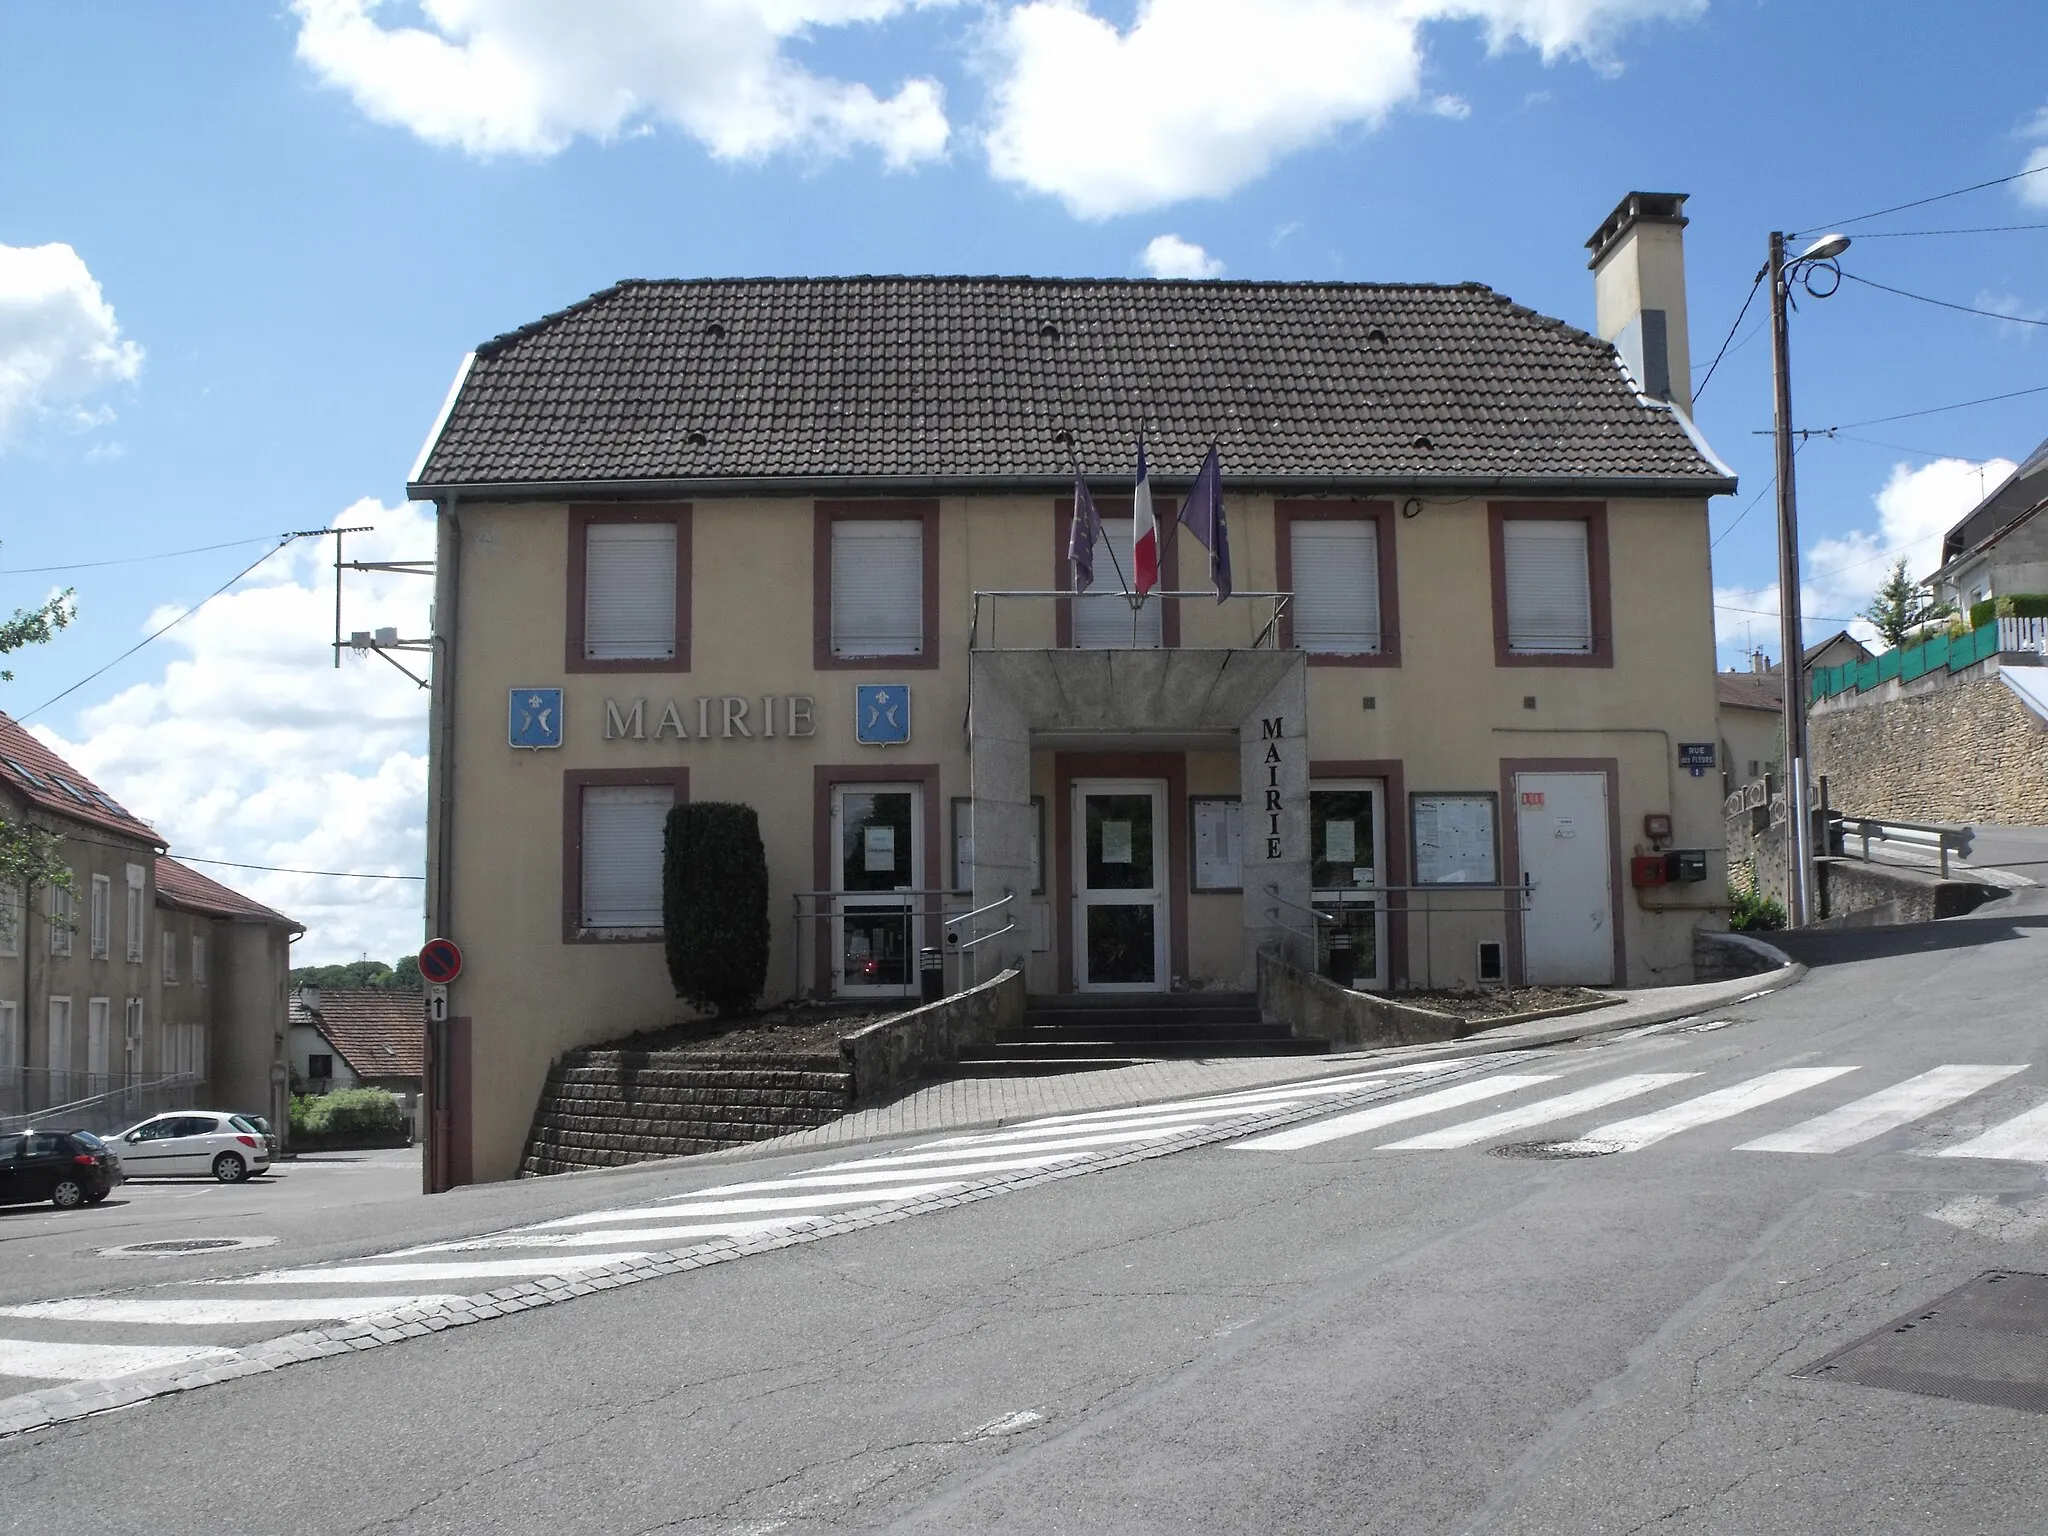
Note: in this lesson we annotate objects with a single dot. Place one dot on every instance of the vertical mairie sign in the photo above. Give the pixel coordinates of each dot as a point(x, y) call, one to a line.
point(1272, 732)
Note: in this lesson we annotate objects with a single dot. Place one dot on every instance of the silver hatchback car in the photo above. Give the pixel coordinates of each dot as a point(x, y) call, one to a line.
point(193, 1141)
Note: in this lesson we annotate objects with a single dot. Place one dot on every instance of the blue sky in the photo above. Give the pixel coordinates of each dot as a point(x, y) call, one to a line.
point(243, 247)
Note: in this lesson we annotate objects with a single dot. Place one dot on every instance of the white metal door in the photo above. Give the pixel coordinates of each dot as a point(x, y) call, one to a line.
point(1347, 830)
point(877, 832)
point(1120, 886)
point(1568, 923)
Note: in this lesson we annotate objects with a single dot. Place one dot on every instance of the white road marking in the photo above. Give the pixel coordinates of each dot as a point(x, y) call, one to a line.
point(1541, 1112)
point(92, 1362)
point(752, 1205)
point(1360, 1121)
point(1310, 1088)
point(884, 1171)
point(1041, 1141)
point(1885, 1110)
point(597, 1238)
point(1008, 1424)
point(189, 1313)
point(400, 1274)
point(2022, 1139)
point(1722, 1104)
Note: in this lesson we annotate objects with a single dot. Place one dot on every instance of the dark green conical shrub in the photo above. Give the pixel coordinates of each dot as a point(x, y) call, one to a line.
point(714, 904)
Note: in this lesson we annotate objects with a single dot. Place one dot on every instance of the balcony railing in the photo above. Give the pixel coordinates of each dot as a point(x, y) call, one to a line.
point(1267, 607)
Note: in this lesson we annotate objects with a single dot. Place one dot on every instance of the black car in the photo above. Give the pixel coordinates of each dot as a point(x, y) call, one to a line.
point(66, 1168)
point(262, 1125)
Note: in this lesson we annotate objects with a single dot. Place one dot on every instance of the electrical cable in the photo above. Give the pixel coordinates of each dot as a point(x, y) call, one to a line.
point(1748, 300)
point(1981, 229)
point(1936, 410)
point(1988, 314)
point(94, 565)
point(282, 869)
point(1921, 202)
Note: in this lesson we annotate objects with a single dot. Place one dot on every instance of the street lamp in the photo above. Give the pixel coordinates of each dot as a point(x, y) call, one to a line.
point(1818, 257)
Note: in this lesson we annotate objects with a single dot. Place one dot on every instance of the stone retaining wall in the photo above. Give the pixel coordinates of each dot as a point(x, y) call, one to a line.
point(1720, 956)
point(1944, 747)
point(1316, 1008)
point(893, 1053)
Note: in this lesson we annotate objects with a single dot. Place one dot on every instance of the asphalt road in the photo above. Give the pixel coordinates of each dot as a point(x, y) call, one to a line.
point(1325, 1337)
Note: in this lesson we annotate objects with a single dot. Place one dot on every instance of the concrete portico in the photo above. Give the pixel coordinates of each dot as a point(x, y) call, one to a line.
point(1149, 702)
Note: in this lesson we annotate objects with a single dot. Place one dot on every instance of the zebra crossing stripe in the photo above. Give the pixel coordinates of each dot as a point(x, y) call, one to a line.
point(1722, 1104)
point(1360, 1121)
point(187, 1312)
point(399, 1274)
point(1250, 1098)
point(882, 1171)
point(91, 1362)
point(1542, 1112)
point(1885, 1110)
point(1037, 1141)
point(597, 1237)
point(2022, 1139)
point(752, 1205)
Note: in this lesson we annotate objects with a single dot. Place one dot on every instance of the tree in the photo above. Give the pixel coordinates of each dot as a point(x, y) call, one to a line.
point(714, 904)
point(30, 856)
point(372, 974)
point(1903, 606)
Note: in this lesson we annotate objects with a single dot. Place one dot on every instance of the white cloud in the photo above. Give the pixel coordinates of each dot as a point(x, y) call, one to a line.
point(530, 76)
point(1457, 108)
point(59, 341)
point(1171, 256)
point(2020, 310)
point(250, 745)
point(2034, 189)
point(1199, 97)
point(1840, 574)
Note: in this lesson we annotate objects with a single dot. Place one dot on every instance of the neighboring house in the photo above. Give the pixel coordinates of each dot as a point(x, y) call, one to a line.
point(2001, 548)
point(1752, 706)
point(1837, 650)
point(156, 986)
point(802, 543)
point(357, 1037)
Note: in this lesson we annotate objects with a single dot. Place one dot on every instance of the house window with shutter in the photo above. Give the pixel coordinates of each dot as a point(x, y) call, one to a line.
point(11, 921)
point(629, 589)
point(169, 946)
point(1550, 585)
point(1337, 559)
point(135, 910)
point(875, 584)
point(614, 821)
point(102, 904)
point(62, 921)
point(1103, 620)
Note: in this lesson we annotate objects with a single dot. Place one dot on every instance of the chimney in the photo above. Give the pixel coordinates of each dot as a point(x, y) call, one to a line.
point(1639, 292)
point(1759, 663)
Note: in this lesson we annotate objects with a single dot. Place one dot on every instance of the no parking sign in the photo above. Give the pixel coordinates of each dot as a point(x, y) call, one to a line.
point(440, 961)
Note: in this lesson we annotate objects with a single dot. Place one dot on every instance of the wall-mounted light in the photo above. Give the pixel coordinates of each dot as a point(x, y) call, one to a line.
point(1412, 507)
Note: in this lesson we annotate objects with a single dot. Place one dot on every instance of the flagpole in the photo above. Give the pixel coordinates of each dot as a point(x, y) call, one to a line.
point(1214, 444)
point(1074, 459)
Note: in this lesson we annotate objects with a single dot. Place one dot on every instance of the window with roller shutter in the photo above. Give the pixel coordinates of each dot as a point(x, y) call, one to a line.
point(1336, 581)
point(1550, 588)
point(629, 589)
point(622, 839)
point(1102, 615)
point(877, 587)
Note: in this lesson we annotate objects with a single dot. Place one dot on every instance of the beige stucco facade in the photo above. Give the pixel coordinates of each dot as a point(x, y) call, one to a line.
point(1448, 717)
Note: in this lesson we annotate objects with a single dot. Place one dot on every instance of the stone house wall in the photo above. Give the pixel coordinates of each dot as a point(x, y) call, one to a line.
point(1942, 748)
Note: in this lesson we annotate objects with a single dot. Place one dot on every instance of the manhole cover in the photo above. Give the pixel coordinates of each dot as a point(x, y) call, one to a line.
point(1985, 1342)
point(187, 1245)
point(1555, 1149)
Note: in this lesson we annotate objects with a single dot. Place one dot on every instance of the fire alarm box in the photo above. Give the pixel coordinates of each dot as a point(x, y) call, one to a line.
point(1648, 870)
point(1686, 866)
point(1657, 827)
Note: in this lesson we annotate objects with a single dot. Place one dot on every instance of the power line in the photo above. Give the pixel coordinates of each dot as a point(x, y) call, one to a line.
point(282, 869)
point(1988, 314)
point(1748, 299)
point(93, 565)
point(1981, 229)
point(1772, 613)
point(1751, 507)
point(1922, 202)
point(174, 623)
point(1936, 410)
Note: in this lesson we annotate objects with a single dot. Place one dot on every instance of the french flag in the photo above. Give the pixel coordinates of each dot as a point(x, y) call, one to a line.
point(1144, 530)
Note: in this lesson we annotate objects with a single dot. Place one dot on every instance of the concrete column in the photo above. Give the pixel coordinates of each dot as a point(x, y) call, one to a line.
point(999, 752)
point(1273, 752)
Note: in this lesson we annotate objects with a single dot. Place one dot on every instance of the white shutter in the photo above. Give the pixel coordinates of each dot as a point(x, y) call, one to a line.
point(10, 1037)
point(1102, 616)
point(629, 592)
point(878, 588)
point(1336, 577)
point(11, 916)
point(1549, 585)
point(135, 913)
point(622, 831)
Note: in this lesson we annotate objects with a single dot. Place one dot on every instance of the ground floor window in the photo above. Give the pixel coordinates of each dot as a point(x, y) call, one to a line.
point(614, 822)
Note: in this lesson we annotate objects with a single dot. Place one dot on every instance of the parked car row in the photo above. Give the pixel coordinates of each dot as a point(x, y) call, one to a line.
point(70, 1168)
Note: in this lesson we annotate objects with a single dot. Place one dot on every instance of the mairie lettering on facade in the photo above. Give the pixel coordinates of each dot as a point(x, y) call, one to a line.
point(1386, 650)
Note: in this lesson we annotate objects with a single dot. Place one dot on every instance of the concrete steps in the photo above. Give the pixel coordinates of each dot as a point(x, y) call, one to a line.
point(600, 1109)
point(1093, 1032)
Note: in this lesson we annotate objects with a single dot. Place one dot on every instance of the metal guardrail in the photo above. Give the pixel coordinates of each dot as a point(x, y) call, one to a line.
point(1267, 638)
point(1913, 834)
point(91, 1101)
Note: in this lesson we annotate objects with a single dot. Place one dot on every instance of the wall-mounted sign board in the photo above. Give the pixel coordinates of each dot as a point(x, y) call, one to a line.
point(1454, 839)
point(1218, 842)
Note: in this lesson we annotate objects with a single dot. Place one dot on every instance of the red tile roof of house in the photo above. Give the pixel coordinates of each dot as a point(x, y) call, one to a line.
point(180, 886)
point(378, 1033)
point(49, 783)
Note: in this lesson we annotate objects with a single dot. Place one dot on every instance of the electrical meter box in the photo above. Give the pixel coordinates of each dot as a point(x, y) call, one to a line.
point(1686, 866)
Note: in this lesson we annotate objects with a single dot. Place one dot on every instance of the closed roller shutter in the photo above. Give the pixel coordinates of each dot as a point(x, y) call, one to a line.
point(1336, 579)
point(1102, 616)
point(1550, 603)
point(622, 831)
point(629, 592)
point(878, 588)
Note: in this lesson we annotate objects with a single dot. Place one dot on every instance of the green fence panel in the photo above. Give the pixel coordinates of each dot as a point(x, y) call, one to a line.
point(1866, 674)
point(1936, 653)
point(1887, 666)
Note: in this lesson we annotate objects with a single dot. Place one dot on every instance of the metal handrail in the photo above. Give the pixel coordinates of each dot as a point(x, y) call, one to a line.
point(953, 940)
point(1314, 912)
point(1914, 834)
point(1280, 601)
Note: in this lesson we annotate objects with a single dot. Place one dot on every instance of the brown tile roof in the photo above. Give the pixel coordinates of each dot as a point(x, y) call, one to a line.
point(1750, 690)
point(178, 885)
point(49, 783)
point(900, 382)
point(378, 1033)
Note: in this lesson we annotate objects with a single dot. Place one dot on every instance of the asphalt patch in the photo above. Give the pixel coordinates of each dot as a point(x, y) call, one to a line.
point(1985, 1342)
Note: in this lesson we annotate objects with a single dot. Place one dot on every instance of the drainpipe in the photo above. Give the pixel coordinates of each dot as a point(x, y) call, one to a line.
point(441, 816)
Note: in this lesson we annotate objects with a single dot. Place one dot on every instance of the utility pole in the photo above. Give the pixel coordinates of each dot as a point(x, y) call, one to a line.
point(1799, 831)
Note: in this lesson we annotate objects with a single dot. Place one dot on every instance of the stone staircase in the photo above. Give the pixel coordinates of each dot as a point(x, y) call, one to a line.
point(1083, 1032)
point(603, 1108)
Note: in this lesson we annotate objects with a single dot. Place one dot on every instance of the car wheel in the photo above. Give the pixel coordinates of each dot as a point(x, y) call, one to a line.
point(230, 1169)
point(66, 1194)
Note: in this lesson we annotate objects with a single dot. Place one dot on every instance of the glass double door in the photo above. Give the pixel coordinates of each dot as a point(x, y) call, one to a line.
point(876, 922)
point(1120, 886)
point(1347, 830)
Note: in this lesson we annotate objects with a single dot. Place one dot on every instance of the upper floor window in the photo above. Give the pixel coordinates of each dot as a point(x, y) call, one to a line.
point(62, 922)
point(198, 960)
point(1103, 617)
point(102, 902)
point(170, 957)
point(1550, 586)
point(135, 911)
point(878, 575)
point(629, 589)
point(1337, 558)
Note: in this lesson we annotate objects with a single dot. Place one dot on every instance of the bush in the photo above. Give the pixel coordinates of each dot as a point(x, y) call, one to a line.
point(2016, 605)
point(714, 904)
point(352, 1111)
point(1752, 912)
